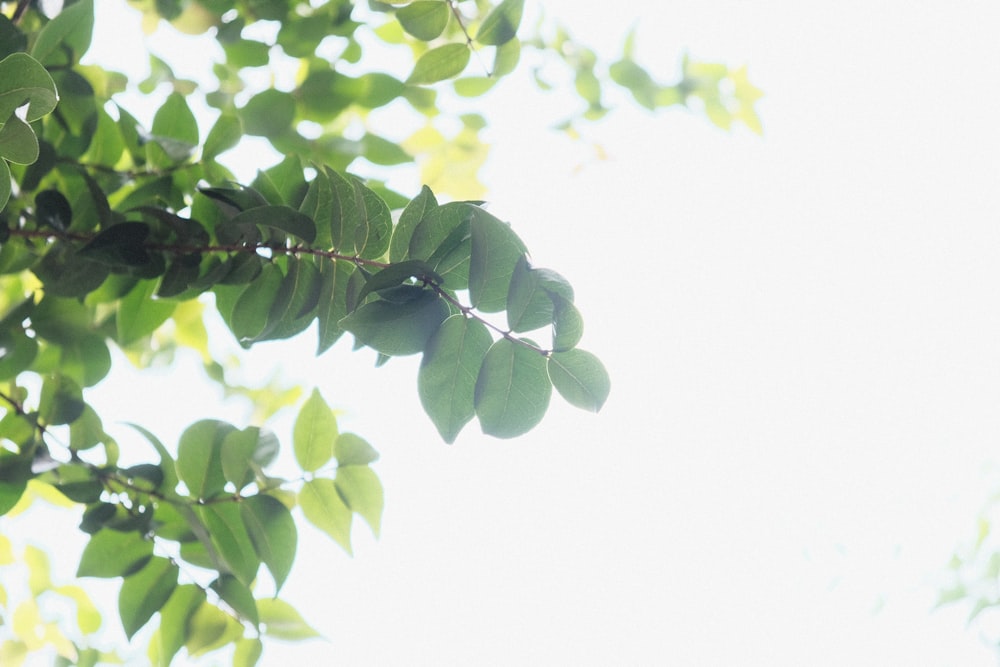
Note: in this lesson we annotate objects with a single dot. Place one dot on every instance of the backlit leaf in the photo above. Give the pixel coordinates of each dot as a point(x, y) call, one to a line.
point(273, 533)
point(238, 596)
point(440, 63)
point(352, 449)
point(419, 206)
point(314, 433)
point(230, 538)
point(512, 390)
point(362, 492)
point(448, 373)
point(323, 507)
point(496, 250)
point(580, 378)
point(500, 25)
point(280, 620)
point(111, 553)
point(139, 314)
point(174, 617)
point(397, 329)
point(423, 19)
point(144, 593)
point(199, 460)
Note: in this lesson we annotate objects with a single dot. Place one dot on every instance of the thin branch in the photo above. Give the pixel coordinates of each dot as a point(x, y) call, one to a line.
point(468, 38)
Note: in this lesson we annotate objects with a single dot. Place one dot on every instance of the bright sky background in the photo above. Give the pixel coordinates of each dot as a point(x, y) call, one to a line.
point(804, 342)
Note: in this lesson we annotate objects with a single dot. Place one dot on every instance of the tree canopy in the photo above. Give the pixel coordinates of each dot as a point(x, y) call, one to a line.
point(114, 234)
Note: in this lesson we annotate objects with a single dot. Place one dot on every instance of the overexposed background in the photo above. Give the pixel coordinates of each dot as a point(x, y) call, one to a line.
point(804, 342)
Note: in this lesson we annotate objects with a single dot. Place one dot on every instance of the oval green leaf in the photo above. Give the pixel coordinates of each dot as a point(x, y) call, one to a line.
point(423, 19)
point(439, 64)
point(273, 533)
point(323, 507)
point(512, 390)
point(500, 25)
point(580, 378)
point(144, 593)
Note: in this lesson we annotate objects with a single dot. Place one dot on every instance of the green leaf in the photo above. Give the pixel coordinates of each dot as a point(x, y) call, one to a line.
point(122, 244)
point(225, 134)
point(174, 617)
point(18, 143)
point(496, 251)
point(439, 64)
point(424, 20)
point(397, 329)
point(567, 325)
point(344, 214)
point(580, 378)
point(199, 457)
point(209, 628)
point(362, 492)
point(229, 536)
point(248, 651)
point(273, 534)
point(334, 278)
point(436, 227)
point(237, 596)
point(250, 313)
point(175, 121)
point(280, 620)
point(53, 210)
point(500, 25)
point(352, 449)
point(111, 553)
point(448, 373)
point(507, 57)
point(61, 400)
point(144, 593)
point(374, 222)
point(236, 452)
point(412, 215)
point(323, 507)
point(139, 314)
point(4, 184)
point(268, 114)
point(282, 218)
point(314, 433)
point(396, 274)
point(72, 28)
point(512, 390)
point(23, 80)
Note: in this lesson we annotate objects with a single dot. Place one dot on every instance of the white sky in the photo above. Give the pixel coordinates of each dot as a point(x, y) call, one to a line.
point(804, 342)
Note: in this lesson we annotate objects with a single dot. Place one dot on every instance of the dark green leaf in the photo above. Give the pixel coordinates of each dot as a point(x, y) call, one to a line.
point(374, 222)
point(580, 378)
point(53, 210)
point(61, 401)
point(111, 553)
point(282, 218)
point(144, 593)
point(413, 214)
point(500, 25)
point(397, 329)
point(66, 272)
point(117, 245)
point(448, 372)
point(314, 433)
point(251, 310)
point(512, 390)
point(334, 277)
point(396, 274)
point(440, 63)
point(273, 533)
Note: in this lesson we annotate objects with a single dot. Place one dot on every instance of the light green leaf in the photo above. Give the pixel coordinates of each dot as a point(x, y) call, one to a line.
point(229, 536)
point(448, 373)
point(496, 250)
point(580, 378)
point(143, 594)
point(512, 390)
point(225, 134)
point(273, 533)
point(199, 459)
point(174, 120)
point(314, 433)
point(439, 64)
point(268, 114)
point(362, 492)
point(174, 616)
point(23, 80)
point(507, 57)
point(237, 452)
point(18, 143)
point(248, 652)
point(139, 314)
point(352, 449)
point(280, 620)
point(500, 25)
point(323, 507)
point(423, 19)
point(209, 628)
point(397, 329)
point(73, 27)
point(111, 553)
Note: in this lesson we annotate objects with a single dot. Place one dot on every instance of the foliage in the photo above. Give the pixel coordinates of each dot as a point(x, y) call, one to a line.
point(115, 234)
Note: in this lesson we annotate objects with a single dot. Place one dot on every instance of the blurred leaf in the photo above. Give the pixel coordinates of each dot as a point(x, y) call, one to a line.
point(229, 536)
point(352, 449)
point(199, 460)
point(269, 113)
point(111, 553)
point(280, 620)
point(144, 593)
point(500, 25)
point(440, 63)
point(71, 28)
point(362, 492)
point(424, 20)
